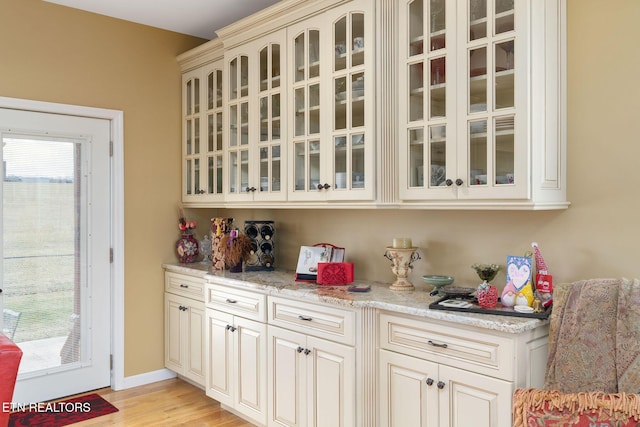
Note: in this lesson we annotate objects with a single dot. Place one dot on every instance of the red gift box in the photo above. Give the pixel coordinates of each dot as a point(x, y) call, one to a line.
point(335, 273)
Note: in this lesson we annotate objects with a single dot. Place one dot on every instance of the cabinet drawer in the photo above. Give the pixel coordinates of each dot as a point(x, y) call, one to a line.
point(473, 350)
point(182, 284)
point(247, 304)
point(313, 319)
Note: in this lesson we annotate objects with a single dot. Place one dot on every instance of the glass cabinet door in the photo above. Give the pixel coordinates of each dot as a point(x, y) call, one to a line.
point(238, 107)
point(214, 132)
point(427, 73)
point(269, 99)
point(306, 112)
point(191, 134)
point(349, 96)
point(491, 93)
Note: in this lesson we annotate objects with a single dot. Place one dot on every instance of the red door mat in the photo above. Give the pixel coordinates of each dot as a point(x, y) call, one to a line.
point(61, 413)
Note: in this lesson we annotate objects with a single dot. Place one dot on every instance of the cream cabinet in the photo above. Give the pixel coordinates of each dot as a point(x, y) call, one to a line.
point(332, 75)
point(202, 131)
point(236, 351)
point(255, 100)
point(184, 326)
point(481, 102)
point(431, 374)
point(311, 378)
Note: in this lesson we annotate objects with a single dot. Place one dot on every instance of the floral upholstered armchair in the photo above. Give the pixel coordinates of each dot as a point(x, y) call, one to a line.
point(593, 369)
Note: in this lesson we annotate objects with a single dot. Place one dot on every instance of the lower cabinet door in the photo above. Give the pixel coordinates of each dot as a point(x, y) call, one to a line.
point(470, 399)
point(195, 357)
point(219, 381)
point(330, 383)
point(287, 380)
point(250, 368)
point(408, 391)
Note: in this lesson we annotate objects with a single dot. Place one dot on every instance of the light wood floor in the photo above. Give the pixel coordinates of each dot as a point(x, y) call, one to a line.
point(165, 403)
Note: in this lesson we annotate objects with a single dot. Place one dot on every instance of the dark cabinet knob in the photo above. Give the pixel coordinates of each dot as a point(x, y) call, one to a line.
point(429, 381)
point(307, 351)
point(228, 327)
point(440, 385)
point(326, 186)
point(320, 186)
point(299, 349)
point(232, 329)
point(448, 182)
point(459, 182)
point(251, 189)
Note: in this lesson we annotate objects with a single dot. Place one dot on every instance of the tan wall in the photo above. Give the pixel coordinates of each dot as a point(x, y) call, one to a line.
point(51, 53)
point(57, 54)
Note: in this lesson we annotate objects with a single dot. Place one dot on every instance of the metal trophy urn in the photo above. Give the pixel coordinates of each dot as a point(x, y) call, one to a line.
point(402, 256)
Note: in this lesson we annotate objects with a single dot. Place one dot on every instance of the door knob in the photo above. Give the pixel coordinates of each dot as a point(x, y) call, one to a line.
point(440, 385)
point(459, 182)
point(429, 381)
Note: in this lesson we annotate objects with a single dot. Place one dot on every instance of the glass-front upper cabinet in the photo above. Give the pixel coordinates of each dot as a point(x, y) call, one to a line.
point(238, 124)
point(202, 134)
point(332, 116)
point(458, 98)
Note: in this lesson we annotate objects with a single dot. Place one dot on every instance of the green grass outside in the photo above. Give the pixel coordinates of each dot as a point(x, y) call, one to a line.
point(38, 265)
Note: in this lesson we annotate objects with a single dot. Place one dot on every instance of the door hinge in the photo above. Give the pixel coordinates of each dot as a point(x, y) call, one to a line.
point(111, 362)
point(111, 255)
point(110, 148)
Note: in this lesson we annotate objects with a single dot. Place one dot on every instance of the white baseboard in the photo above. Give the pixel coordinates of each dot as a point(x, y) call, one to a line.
point(147, 378)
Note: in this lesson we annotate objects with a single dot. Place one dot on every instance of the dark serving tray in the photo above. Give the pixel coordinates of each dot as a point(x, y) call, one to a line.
point(476, 308)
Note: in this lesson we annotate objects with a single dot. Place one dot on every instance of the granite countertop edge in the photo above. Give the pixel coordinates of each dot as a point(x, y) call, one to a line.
point(416, 303)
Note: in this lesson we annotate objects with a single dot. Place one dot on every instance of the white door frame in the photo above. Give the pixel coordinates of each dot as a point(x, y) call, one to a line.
point(116, 118)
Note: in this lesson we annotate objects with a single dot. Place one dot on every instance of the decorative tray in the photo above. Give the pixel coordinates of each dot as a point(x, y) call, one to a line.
point(472, 306)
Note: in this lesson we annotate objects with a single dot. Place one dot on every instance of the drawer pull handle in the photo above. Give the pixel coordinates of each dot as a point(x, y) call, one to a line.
point(231, 301)
point(440, 385)
point(435, 344)
point(299, 349)
point(183, 285)
point(305, 318)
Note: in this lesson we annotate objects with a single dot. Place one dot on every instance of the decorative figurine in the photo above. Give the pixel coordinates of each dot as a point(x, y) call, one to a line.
point(487, 293)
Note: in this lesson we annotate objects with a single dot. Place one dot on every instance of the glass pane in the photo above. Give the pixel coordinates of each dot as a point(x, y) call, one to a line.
point(504, 83)
point(275, 168)
point(357, 161)
point(244, 76)
point(211, 134)
point(438, 151)
point(478, 77)
point(244, 123)
point(263, 70)
point(244, 170)
point(43, 275)
point(196, 176)
point(314, 109)
point(300, 112)
point(275, 116)
point(438, 88)
point(340, 90)
point(478, 152)
point(504, 16)
point(218, 131)
point(275, 65)
point(233, 79)
point(188, 142)
point(340, 162)
point(357, 100)
point(314, 164)
point(299, 58)
point(438, 25)
point(357, 35)
point(219, 174)
point(233, 126)
point(416, 157)
point(196, 96)
point(233, 172)
point(196, 136)
point(314, 56)
point(299, 165)
point(189, 173)
point(264, 118)
point(416, 94)
point(340, 44)
point(210, 90)
point(477, 19)
point(416, 28)
point(188, 101)
point(264, 169)
point(218, 88)
point(211, 170)
point(505, 137)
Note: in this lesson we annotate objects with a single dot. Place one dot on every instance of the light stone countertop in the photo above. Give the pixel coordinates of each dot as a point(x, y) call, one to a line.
point(283, 283)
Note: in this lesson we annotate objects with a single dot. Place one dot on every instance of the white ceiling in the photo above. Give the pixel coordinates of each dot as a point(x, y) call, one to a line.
point(200, 18)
